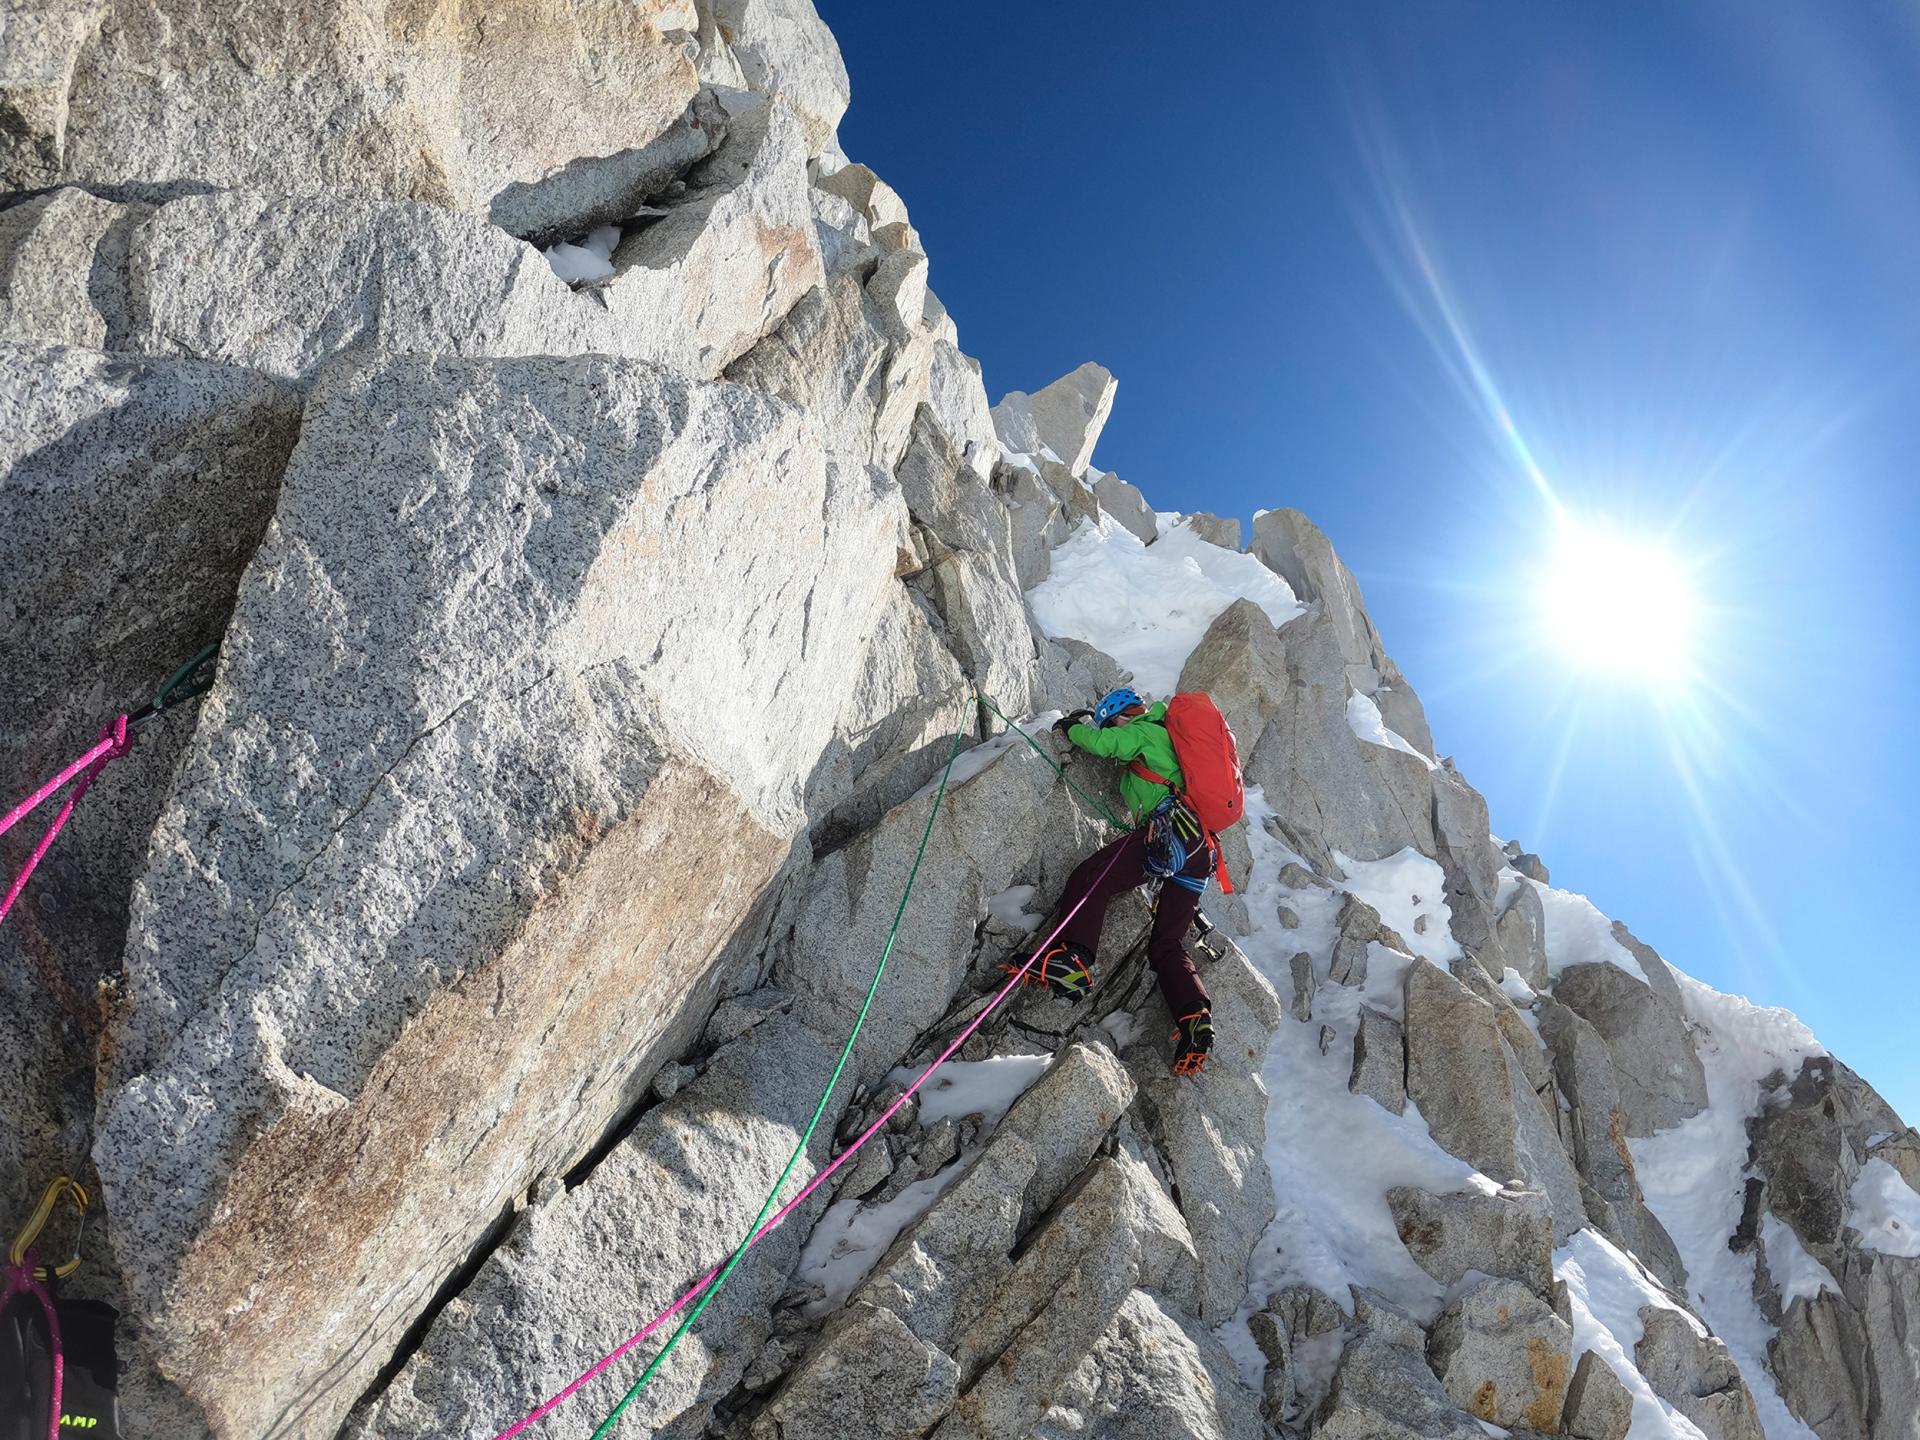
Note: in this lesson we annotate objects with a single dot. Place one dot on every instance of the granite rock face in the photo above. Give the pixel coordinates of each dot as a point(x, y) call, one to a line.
point(431, 1002)
point(132, 495)
point(1693, 1373)
point(1503, 1356)
point(1065, 418)
point(167, 97)
point(282, 283)
point(1506, 1235)
point(1659, 1075)
point(1470, 1086)
point(360, 982)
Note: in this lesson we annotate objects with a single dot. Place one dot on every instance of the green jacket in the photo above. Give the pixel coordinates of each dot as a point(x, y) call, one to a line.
point(1144, 739)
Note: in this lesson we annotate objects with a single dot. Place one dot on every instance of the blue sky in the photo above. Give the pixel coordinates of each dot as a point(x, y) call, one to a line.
point(1411, 268)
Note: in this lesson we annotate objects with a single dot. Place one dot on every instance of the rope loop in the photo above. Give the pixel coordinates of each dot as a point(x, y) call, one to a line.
point(118, 739)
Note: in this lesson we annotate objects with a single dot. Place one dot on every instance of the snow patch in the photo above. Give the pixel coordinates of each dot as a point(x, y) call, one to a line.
point(1365, 720)
point(1694, 1177)
point(1009, 909)
point(1125, 1027)
point(1884, 1209)
point(1578, 934)
point(986, 1088)
point(1510, 881)
point(1333, 1154)
point(1149, 606)
point(1796, 1273)
point(1606, 1289)
point(1406, 888)
point(1518, 991)
point(852, 1236)
point(1524, 998)
point(590, 259)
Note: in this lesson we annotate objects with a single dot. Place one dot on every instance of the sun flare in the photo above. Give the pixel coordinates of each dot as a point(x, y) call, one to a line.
point(1620, 607)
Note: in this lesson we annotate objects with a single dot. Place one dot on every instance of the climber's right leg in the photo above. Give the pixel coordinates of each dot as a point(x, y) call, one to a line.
point(1112, 870)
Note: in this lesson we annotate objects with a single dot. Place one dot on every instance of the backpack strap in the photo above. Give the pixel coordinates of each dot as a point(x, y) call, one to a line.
point(1148, 774)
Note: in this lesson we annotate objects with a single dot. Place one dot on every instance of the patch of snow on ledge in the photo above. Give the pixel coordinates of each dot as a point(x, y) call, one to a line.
point(852, 1236)
point(986, 1088)
point(1365, 720)
point(1606, 1289)
point(1578, 934)
point(1149, 606)
point(591, 259)
point(1884, 1209)
point(1404, 888)
point(1794, 1271)
point(1009, 908)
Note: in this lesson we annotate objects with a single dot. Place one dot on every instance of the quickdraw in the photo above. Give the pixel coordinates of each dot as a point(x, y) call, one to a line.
point(191, 679)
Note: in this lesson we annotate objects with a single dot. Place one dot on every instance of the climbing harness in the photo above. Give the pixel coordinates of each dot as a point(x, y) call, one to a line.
point(1173, 836)
point(115, 740)
point(60, 1362)
point(704, 1289)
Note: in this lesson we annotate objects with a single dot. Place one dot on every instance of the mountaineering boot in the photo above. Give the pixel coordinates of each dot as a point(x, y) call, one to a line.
point(1063, 967)
point(1193, 1042)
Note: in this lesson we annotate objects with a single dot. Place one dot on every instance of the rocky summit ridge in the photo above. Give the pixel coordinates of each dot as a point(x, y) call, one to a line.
point(438, 996)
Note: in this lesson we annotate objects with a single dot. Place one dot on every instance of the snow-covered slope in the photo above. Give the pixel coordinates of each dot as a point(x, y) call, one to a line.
point(1336, 1155)
point(606, 536)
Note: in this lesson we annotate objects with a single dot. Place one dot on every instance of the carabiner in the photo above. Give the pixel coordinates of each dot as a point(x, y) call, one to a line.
point(183, 684)
point(37, 1221)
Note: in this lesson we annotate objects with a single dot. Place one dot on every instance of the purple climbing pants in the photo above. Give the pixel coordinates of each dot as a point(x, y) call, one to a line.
point(1180, 984)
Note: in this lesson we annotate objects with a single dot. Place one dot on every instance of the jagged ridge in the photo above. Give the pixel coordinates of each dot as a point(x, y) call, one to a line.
point(515, 866)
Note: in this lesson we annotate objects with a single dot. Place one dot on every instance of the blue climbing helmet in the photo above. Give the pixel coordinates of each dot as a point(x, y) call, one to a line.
point(1113, 704)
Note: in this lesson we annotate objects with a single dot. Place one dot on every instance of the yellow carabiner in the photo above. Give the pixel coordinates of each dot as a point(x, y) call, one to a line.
point(37, 1221)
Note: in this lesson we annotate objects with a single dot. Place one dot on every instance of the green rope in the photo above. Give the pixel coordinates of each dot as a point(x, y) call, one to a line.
point(766, 1207)
point(1105, 813)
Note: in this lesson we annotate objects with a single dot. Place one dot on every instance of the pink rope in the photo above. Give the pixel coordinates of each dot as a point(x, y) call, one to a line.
point(22, 1281)
point(115, 741)
point(600, 1368)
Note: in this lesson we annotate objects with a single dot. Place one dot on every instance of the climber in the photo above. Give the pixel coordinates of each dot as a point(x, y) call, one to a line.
point(1182, 785)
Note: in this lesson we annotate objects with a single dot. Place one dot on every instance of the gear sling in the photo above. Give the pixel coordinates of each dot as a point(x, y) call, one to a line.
point(1212, 796)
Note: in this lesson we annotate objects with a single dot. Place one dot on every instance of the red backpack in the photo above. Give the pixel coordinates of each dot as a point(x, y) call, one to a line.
point(1209, 764)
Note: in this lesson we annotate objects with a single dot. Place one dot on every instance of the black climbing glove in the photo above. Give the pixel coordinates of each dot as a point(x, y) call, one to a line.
point(1068, 721)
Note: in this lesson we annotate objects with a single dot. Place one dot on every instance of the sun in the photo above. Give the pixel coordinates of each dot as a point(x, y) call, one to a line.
point(1619, 607)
